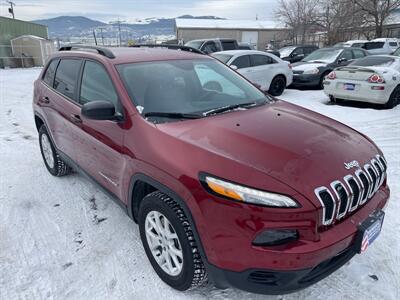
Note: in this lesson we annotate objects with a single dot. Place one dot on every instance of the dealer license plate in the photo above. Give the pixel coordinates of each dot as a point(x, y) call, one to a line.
point(349, 86)
point(369, 230)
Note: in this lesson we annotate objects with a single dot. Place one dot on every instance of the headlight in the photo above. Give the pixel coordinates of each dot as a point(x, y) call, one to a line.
point(248, 195)
point(311, 71)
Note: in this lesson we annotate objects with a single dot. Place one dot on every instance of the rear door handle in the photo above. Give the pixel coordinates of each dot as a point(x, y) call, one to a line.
point(44, 100)
point(76, 119)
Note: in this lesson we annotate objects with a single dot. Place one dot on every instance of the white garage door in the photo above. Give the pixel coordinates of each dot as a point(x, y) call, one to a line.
point(250, 37)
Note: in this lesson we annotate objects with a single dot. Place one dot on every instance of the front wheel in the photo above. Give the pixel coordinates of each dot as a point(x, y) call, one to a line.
point(169, 242)
point(278, 85)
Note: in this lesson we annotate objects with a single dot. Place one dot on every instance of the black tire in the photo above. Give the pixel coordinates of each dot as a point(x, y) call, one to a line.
point(193, 272)
point(394, 98)
point(321, 81)
point(59, 168)
point(277, 86)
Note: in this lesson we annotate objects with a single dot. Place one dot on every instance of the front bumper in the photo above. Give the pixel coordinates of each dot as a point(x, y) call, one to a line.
point(306, 80)
point(284, 268)
point(273, 282)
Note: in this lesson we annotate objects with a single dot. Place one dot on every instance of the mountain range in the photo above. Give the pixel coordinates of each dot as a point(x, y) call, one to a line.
point(66, 27)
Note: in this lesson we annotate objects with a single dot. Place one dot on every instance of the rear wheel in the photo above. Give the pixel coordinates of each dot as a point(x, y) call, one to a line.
point(278, 85)
point(394, 98)
point(169, 242)
point(52, 160)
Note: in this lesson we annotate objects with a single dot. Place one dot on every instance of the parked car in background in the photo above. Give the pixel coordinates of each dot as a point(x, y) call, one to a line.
point(274, 52)
point(296, 53)
point(310, 72)
point(352, 43)
point(245, 46)
point(382, 46)
point(263, 69)
point(213, 45)
point(373, 79)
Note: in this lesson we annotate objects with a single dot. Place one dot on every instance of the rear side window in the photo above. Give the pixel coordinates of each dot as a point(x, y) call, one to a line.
point(228, 45)
point(392, 44)
point(373, 45)
point(358, 53)
point(51, 70)
point(66, 77)
point(97, 85)
point(260, 60)
point(242, 62)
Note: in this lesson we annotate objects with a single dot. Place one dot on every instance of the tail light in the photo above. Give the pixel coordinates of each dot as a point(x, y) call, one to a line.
point(375, 78)
point(331, 75)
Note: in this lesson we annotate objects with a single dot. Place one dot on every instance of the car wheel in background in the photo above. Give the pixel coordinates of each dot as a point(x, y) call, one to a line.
point(169, 242)
point(278, 85)
point(394, 98)
point(52, 160)
point(321, 81)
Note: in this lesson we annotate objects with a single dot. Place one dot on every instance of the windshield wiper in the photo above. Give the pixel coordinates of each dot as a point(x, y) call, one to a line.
point(172, 115)
point(232, 107)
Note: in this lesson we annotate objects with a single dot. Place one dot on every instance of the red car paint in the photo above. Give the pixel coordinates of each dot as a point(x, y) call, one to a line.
point(279, 147)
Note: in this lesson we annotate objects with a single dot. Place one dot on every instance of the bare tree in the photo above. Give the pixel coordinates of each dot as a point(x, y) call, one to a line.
point(376, 12)
point(298, 15)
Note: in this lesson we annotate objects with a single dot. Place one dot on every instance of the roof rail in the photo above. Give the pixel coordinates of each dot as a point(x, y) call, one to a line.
point(173, 47)
point(101, 50)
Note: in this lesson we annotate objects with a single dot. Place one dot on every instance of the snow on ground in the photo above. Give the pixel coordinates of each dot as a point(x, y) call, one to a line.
point(62, 238)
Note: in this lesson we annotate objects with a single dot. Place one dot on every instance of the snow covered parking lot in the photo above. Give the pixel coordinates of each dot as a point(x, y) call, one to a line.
point(62, 238)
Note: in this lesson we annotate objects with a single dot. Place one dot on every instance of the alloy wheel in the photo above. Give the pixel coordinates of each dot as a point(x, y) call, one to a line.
point(47, 151)
point(164, 243)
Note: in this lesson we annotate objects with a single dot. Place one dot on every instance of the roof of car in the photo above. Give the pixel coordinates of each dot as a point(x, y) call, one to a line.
point(133, 55)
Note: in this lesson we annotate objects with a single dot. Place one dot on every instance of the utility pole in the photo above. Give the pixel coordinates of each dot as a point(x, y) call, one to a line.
point(102, 36)
point(119, 29)
point(11, 9)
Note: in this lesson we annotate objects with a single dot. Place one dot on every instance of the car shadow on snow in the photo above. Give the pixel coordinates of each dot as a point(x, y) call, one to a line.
point(356, 104)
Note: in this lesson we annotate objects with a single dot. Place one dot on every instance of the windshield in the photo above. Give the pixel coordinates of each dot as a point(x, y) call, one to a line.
point(286, 51)
point(222, 57)
point(358, 45)
point(323, 55)
point(194, 44)
point(370, 61)
point(186, 87)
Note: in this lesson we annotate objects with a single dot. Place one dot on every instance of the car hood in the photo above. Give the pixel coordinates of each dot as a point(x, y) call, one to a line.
point(305, 66)
point(295, 146)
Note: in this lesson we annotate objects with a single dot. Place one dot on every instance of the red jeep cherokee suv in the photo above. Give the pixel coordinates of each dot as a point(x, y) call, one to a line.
point(224, 181)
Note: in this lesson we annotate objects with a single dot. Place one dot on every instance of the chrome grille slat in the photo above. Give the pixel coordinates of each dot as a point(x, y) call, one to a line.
point(344, 197)
point(337, 186)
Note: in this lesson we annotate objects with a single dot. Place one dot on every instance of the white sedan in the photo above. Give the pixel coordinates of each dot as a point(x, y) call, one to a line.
point(266, 70)
point(373, 79)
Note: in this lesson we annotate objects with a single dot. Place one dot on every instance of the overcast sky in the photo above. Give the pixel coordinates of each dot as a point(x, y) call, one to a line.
point(129, 10)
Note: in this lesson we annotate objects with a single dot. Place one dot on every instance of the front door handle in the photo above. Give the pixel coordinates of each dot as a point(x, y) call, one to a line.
point(76, 119)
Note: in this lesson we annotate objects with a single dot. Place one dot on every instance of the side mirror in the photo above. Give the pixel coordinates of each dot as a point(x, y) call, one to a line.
point(342, 60)
point(99, 110)
point(233, 67)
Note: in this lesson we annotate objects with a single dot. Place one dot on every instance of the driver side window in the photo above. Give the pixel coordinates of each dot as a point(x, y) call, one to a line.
point(208, 77)
point(347, 55)
point(96, 85)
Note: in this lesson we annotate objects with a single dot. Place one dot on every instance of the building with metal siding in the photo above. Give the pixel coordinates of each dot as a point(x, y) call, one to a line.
point(12, 28)
point(254, 32)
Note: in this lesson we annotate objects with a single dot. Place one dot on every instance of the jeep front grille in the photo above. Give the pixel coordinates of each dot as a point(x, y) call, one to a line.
point(344, 196)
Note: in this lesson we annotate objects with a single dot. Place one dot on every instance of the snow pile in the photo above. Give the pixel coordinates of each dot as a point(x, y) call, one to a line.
point(62, 238)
